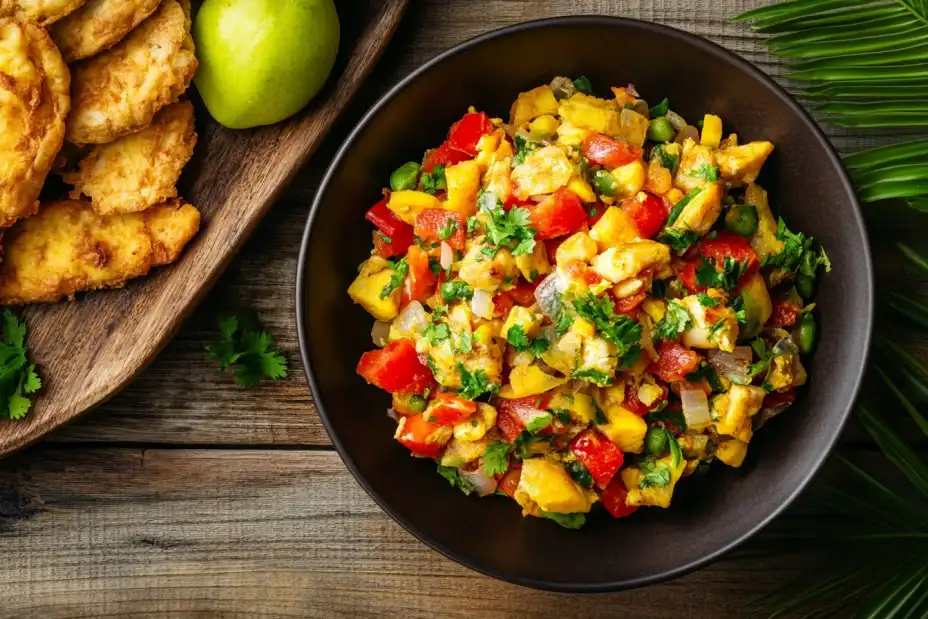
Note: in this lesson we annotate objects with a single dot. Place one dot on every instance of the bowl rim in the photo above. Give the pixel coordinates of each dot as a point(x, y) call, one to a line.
point(866, 278)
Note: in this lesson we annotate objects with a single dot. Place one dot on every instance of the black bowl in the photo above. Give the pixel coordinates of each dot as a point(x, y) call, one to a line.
point(710, 515)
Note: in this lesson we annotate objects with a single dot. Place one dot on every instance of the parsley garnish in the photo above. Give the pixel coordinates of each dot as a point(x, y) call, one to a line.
point(564, 320)
point(523, 148)
point(465, 343)
point(660, 109)
point(706, 172)
point(679, 206)
point(594, 376)
point(242, 345)
point(715, 328)
point(676, 320)
point(521, 342)
point(384, 238)
point(583, 84)
point(474, 384)
point(705, 300)
point(679, 240)
point(510, 229)
point(668, 160)
point(799, 253)
point(568, 521)
point(452, 291)
point(496, 458)
point(622, 331)
point(653, 475)
point(450, 227)
point(437, 332)
point(434, 181)
point(18, 377)
point(400, 269)
point(709, 277)
point(539, 422)
point(472, 223)
point(737, 304)
point(454, 478)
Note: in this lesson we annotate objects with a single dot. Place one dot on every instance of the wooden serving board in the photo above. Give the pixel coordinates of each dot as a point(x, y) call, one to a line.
point(89, 349)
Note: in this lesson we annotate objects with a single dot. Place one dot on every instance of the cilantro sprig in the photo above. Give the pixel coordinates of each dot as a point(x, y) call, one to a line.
point(708, 276)
point(474, 384)
point(434, 181)
point(621, 331)
point(676, 320)
point(454, 478)
point(522, 342)
point(246, 348)
point(496, 458)
point(18, 377)
point(510, 229)
point(800, 253)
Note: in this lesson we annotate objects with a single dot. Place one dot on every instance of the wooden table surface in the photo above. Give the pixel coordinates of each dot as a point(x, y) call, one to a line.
point(185, 496)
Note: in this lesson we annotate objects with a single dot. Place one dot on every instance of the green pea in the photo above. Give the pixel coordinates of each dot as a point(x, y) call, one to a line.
point(605, 183)
point(405, 177)
point(742, 219)
point(806, 333)
point(416, 403)
point(660, 130)
point(655, 441)
point(805, 286)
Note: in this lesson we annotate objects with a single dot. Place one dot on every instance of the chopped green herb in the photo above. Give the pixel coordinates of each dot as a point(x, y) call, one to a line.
point(18, 377)
point(564, 320)
point(523, 148)
point(594, 376)
point(679, 240)
point(679, 206)
point(708, 372)
point(450, 227)
point(400, 269)
point(706, 301)
point(434, 266)
point(620, 330)
point(706, 172)
point(242, 345)
point(658, 289)
point(660, 109)
point(583, 84)
point(510, 229)
point(562, 414)
point(676, 320)
point(580, 474)
point(675, 450)
point(667, 159)
point(472, 223)
point(799, 253)
point(454, 478)
point(708, 276)
point(671, 416)
point(653, 475)
point(521, 342)
point(715, 328)
point(568, 521)
point(539, 422)
point(496, 458)
point(465, 343)
point(454, 290)
point(434, 181)
point(474, 384)
point(437, 332)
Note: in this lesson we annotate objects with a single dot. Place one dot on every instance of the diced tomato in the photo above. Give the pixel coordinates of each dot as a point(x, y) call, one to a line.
point(396, 368)
point(510, 426)
point(602, 150)
point(502, 304)
point(559, 214)
point(524, 293)
point(633, 404)
point(513, 415)
point(513, 200)
point(627, 305)
point(420, 281)
point(688, 278)
point(420, 436)
point(448, 409)
point(649, 214)
point(777, 399)
point(583, 272)
point(598, 454)
point(465, 133)
point(674, 362)
point(594, 213)
point(431, 223)
point(784, 314)
point(729, 245)
point(394, 235)
point(444, 155)
point(510, 481)
point(613, 499)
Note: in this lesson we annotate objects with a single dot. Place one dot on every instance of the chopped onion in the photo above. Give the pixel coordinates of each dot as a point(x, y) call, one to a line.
point(447, 256)
point(744, 353)
point(695, 406)
point(482, 304)
point(482, 483)
point(698, 337)
point(412, 320)
point(393, 414)
point(380, 333)
point(631, 90)
point(733, 366)
point(688, 132)
point(641, 106)
point(549, 300)
point(676, 120)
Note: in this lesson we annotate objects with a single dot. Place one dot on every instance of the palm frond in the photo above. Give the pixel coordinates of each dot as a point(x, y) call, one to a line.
point(914, 257)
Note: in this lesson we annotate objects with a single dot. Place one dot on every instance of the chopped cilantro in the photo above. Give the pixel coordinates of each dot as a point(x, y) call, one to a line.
point(451, 291)
point(521, 342)
point(675, 450)
point(715, 328)
point(454, 478)
point(594, 376)
point(568, 521)
point(434, 181)
point(18, 377)
point(562, 414)
point(708, 276)
point(737, 304)
point(583, 84)
point(523, 148)
point(450, 227)
point(668, 160)
point(706, 172)
point(671, 416)
point(496, 458)
point(653, 475)
point(539, 422)
point(400, 269)
point(799, 253)
point(437, 332)
point(244, 346)
point(465, 343)
point(580, 474)
point(676, 320)
point(705, 300)
point(439, 310)
point(510, 229)
point(679, 240)
point(384, 237)
point(622, 331)
point(564, 320)
point(474, 384)
point(679, 206)
point(660, 109)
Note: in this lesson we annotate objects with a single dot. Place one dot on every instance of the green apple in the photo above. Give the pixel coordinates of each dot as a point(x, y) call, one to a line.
point(262, 61)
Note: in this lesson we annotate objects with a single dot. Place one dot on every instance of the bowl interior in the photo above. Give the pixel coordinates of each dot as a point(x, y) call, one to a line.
point(709, 515)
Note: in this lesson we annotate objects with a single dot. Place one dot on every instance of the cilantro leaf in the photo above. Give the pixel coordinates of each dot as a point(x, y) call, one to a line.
point(706, 172)
point(593, 376)
point(708, 276)
point(580, 474)
point(517, 337)
point(676, 320)
point(465, 343)
point(675, 450)
point(496, 458)
point(450, 227)
point(400, 269)
point(799, 253)
point(653, 475)
point(452, 291)
point(660, 109)
point(568, 521)
point(437, 332)
point(705, 300)
point(510, 229)
point(17, 375)
point(539, 422)
point(434, 181)
point(679, 240)
point(620, 330)
point(668, 160)
point(679, 206)
point(562, 414)
point(32, 382)
point(523, 148)
point(14, 329)
point(454, 478)
point(474, 384)
point(248, 350)
point(18, 405)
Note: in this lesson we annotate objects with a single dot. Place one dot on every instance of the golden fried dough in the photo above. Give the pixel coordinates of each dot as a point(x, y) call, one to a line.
point(42, 12)
point(68, 248)
point(141, 169)
point(119, 91)
point(34, 101)
point(98, 26)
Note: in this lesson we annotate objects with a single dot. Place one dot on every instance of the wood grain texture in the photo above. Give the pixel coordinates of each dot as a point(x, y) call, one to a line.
point(225, 533)
point(91, 348)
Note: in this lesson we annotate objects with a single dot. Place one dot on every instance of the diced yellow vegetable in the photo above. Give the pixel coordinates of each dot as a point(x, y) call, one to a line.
point(486, 147)
point(582, 407)
point(476, 427)
point(582, 188)
point(544, 126)
point(570, 135)
point(458, 453)
point(702, 211)
point(579, 246)
point(659, 178)
point(549, 486)
point(543, 171)
point(407, 204)
point(626, 260)
point(527, 380)
point(746, 431)
point(651, 496)
point(480, 272)
point(649, 393)
point(695, 160)
point(740, 165)
point(625, 429)
point(532, 104)
point(630, 179)
point(522, 317)
point(614, 228)
point(764, 241)
point(711, 131)
point(564, 353)
point(757, 305)
point(463, 181)
point(365, 290)
point(732, 452)
point(735, 407)
point(535, 265)
point(599, 355)
point(674, 195)
point(605, 117)
point(654, 308)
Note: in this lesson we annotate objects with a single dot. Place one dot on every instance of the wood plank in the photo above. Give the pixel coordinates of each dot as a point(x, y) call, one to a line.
point(181, 398)
point(267, 533)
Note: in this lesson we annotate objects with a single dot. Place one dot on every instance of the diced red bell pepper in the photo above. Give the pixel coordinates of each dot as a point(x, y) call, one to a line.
point(396, 368)
point(633, 404)
point(551, 246)
point(602, 150)
point(448, 409)
point(420, 280)
point(649, 214)
point(420, 436)
point(508, 483)
point(398, 233)
point(502, 304)
point(613, 499)
point(784, 314)
point(598, 454)
point(715, 251)
point(444, 155)
point(465, 133)
point(581, 271)
point(513, 200)
point(513, 415)
point(431, 223)
point(688, 278)
point(627, 305)
point(559, 214)
point(524, 293)
point(674, 362)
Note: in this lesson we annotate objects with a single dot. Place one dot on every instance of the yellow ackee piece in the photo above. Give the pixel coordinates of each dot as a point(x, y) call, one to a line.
point(549, 486)
point(407, 204)
point(463, 180)
point(526, 380)
point(732, 452)
point(532, 104)
point(625, 428)
point(614, 228)
point(365, 290)
point(582, 188)
point(711, 131)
